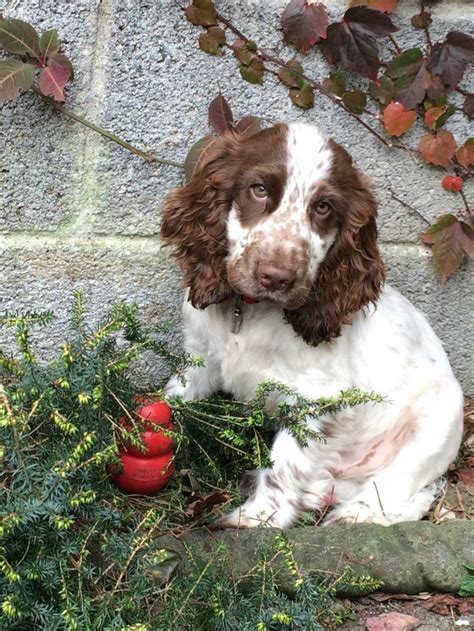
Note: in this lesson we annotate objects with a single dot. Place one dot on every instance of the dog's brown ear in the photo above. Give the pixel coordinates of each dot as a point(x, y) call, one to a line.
point(352, 274)
point(194, 220)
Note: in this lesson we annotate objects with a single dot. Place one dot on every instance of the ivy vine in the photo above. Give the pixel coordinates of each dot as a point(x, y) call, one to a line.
point(391, 95)
point(415, 84)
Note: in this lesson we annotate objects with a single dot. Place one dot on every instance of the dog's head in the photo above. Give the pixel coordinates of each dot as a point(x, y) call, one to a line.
point(280, 215)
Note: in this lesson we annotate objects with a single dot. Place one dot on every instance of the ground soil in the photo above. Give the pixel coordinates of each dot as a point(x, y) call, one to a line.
point(429, 621)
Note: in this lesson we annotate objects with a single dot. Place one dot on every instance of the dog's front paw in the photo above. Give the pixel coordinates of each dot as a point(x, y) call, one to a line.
point(355, 513)
point(251, 515)
point(240, 518)
point(176, 388)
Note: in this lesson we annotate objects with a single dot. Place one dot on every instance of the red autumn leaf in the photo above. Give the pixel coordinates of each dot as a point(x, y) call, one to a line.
point(397, 120)
point(61, 60)
point(304, 24)
point(465, 154)
point(451, 239)
point(220, 115)
point(438, 148)
point(452, 183)
point(248, 125)
point(412, 77)
point(449, 59)
point(432, 114)
point(352, 41)
point(381, 5)
point(202, 13)
point(52, 80)
point(196, 154)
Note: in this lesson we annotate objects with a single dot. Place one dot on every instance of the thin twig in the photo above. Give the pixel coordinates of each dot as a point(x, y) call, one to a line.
point(398, 50)
point(148, 157)
point(379, 500)
point(405, 205)
point(425, 28)
point(466, 205)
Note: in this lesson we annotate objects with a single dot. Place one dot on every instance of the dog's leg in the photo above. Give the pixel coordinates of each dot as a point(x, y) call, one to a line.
point(405, 489)
point(282, 493)
point(197, 382)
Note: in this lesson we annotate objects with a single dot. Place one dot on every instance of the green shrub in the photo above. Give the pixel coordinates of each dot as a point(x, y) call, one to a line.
point(75, 552)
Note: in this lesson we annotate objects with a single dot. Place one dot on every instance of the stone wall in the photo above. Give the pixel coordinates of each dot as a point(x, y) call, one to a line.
point(79, 211)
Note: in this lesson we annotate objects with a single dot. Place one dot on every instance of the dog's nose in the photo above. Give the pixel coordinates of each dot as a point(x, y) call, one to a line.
point(275, 278)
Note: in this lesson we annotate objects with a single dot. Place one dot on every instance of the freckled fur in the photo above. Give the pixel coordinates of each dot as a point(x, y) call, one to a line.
point(338, 327)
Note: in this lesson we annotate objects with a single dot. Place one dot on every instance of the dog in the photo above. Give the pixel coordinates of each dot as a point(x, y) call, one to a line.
point(276, 236)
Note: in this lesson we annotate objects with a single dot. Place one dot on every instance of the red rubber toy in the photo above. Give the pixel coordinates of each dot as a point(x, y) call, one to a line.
point(147, 471)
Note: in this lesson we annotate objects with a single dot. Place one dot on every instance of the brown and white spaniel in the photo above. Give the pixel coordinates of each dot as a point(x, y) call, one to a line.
point(283, 218)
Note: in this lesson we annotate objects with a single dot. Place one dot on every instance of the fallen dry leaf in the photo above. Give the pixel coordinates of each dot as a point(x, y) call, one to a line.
point(200, 504)
point(466, 475)
point(381, 597)
point(393, 621)
point(443, 604)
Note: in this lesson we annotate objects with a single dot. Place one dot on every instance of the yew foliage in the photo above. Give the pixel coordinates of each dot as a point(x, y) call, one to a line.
point(390, 96)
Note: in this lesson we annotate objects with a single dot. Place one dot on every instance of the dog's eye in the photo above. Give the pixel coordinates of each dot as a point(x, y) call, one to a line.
point(259, 190)
point(323, 207)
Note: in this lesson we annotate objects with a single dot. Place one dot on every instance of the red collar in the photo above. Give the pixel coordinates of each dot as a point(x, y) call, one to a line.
point(248, 300)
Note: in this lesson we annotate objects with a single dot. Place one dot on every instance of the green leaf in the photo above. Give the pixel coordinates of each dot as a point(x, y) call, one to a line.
point(212, 41)
point(287, 75)
point(405, 64)
point(421, 20)
point(303, 97)
point(355, 101)
point(244, 51)
point(444, 117)
point(19, 37)
point(467, 582)
point(165, 562)
point(383, 93)
point(335, 83)
point(253, 73)
point(49, 43)
point(14, 76)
